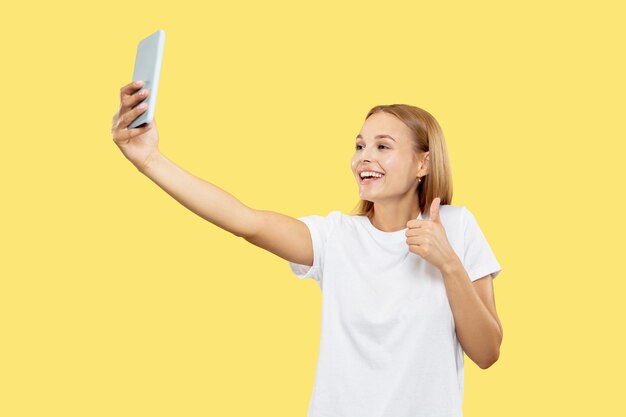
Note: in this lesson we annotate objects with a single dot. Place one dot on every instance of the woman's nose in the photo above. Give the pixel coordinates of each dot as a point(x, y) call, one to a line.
point(365, 155)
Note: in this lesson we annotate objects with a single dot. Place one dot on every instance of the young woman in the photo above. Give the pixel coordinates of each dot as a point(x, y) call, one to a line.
point(406, 280)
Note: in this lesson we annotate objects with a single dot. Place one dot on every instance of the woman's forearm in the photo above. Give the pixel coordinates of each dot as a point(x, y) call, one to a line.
point(477, 331)
point(203, 198)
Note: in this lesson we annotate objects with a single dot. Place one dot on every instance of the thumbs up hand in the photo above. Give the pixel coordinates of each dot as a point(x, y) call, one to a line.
point(427, 238)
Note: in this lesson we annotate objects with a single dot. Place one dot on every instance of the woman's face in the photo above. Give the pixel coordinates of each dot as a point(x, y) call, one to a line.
point(394, 157)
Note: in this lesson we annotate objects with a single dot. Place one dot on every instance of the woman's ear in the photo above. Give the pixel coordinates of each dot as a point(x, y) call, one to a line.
point(425, 163)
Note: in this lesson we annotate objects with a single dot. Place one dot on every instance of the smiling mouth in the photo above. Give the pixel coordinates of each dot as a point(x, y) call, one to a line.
point(369, 180)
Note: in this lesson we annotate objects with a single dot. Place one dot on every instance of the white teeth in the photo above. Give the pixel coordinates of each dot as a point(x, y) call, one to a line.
point(370, 174)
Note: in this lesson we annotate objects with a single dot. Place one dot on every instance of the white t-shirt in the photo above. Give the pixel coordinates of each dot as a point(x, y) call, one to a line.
point(388, 346)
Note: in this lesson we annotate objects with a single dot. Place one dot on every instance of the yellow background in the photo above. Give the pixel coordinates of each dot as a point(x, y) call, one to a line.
point(115, 300)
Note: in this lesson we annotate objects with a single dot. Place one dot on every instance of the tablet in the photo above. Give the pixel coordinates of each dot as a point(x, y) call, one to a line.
point(148, 68)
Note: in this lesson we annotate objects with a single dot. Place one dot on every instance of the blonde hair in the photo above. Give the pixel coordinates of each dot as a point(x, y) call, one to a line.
point(427, 136)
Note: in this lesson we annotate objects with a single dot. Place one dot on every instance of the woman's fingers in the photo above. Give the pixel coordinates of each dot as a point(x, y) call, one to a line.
point(123, 118)
point(129, 89)
point(129, 95)
point(124, 135)
point(131, 115)
point(139, 130)
point(126, 113)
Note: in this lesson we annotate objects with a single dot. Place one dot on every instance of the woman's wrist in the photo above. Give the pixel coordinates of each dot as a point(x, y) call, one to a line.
point(150, 161)
point(451, 266)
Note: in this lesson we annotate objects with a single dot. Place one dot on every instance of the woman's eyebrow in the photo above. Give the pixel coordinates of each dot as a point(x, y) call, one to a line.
point(377, 137)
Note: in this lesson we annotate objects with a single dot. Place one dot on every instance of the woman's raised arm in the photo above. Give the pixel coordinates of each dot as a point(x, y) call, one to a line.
point(203, 198)
point(282, 235)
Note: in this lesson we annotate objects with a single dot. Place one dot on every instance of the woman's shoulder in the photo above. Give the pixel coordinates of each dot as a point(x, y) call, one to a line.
point(447, 210)
point(337, 218)
point(452, 209)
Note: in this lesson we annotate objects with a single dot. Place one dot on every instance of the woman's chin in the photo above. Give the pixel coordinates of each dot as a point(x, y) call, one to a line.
point(366, 195)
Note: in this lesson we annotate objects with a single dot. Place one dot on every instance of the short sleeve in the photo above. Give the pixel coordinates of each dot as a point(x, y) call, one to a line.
point(478, 258)
point(320, 227)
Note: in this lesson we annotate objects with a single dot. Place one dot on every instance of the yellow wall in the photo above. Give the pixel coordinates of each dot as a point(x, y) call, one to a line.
point(115, 300)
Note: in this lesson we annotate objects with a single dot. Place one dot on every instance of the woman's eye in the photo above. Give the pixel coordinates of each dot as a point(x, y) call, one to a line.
point(384, 146)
